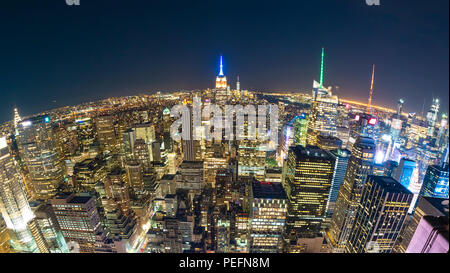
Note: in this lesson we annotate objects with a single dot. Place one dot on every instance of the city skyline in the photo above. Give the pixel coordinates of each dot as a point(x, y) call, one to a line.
point(117, 63)
point(214, 127)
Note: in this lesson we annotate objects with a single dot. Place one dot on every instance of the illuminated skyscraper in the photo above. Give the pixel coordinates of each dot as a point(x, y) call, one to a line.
point(40, 155)
point(360, 165)
point(88, 172)
point(17, 120)
point(81, 225)
point(49, 228)
point(307, 182)
point(223, 187)
point(221, 90)
point(106, 134)
point(432, 117)
point(404, 171)
point(117, 190)
point(341, 158)
point(252, 159)
point(380, 215)
point(268, 215)
point(300, 124)
point(134, 177)
point(4, 238)
point(324, 113)
point(14, 205)
point(435, 183)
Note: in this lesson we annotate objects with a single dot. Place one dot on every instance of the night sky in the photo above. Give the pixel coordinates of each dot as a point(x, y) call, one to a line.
point(53, 55)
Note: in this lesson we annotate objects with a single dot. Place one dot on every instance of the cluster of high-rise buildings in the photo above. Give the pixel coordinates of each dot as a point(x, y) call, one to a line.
point(107, 177)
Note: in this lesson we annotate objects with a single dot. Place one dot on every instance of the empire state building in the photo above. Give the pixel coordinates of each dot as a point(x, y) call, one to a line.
point(221, 79)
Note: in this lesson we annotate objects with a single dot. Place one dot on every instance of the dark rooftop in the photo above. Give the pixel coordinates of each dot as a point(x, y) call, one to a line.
point(268, 190)
point(440, 204)
point(389, 184)
point(310, 151)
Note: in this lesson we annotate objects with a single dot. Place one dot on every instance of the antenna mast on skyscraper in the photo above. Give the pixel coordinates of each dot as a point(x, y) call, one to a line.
point(321, 68)
point(369, 105)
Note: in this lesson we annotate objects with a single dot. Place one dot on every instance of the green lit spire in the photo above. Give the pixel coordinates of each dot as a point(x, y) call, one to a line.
point(321, 68)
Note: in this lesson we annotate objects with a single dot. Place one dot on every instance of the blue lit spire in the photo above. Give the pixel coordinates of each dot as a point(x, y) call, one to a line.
point(221, 67)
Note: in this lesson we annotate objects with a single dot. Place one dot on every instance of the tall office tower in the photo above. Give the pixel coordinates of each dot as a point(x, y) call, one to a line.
point(40, 155)
point(431, 236)
point(151, 187)
point(66, 140)
point(343, 133)
point(80, 224)
point(442, 137)
point(341, 158)
point(268, 215)
point(238, 85)
point(223, 187)
point(4, 238)
point(106, 134)
point(251, 159)
point(214, 161)
point(300, 124)
point(404, 171)
point(222, 230)
point(309, 172)
point(435, 183)
point(88, 172)
point(159, 154)
point(121, 226)
point(426, 206)
point(400, 107)
point(329, 143)
point(190, 147)
point(14, 206)
point(360, 165)
point(146, 131)
point(396, 128)
point(432, 116)
point(135, 178)
point(141, 153)
point(127, 143)
point(380, 216)
point(324, 113)
point(407, 174)
point(190, 177)
point(17, 120)
point(86, 133)
point(241, 232)
point(49, 227)
point(117, 190)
